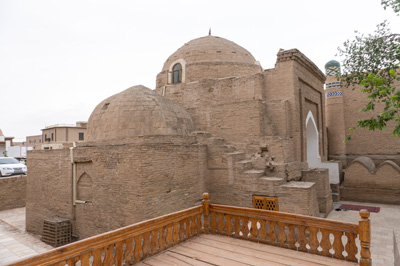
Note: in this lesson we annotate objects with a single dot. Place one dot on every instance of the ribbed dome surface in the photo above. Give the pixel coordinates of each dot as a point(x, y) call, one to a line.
point(137, 111)
point(211, 49)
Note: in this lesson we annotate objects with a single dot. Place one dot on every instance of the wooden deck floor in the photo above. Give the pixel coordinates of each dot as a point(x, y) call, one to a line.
point(221, 250)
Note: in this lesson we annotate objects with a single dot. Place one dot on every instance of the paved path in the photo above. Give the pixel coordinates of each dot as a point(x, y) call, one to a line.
point(383, 225)
point(16, 244)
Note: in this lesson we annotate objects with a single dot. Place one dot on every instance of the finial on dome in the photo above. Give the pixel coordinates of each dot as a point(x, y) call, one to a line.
point(209, 32)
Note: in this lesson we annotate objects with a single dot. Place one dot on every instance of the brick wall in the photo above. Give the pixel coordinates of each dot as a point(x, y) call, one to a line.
point(123, 184)
point(12, 192)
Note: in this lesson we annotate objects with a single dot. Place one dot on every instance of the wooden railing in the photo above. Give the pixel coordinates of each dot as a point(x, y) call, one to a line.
point(298, 232)
point(127, 245)
point(134, 243)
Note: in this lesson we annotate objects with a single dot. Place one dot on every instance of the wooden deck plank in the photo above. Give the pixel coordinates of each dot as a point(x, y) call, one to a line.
point(242, 257)
point(166, 259)
point(279, 251)
point(222, 250)
point(254, 253)
point(188, 260)
point(206, 257)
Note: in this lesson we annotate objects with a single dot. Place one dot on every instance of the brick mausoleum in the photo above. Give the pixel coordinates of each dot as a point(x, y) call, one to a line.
point(216, 122)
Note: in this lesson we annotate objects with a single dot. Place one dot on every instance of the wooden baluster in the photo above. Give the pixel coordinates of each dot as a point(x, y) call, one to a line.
point(221, 223)
point(128, 255)
point(364, 230)
point(96, 257)
point(281, 234)
point(253, 229)
point(206, 212)
point(325, 243)
point(213, 222)
point(84, 259)
point(236, 226)
point(198, 224)
point(182, 230)
point(168, 237)
point(118, 253)
point(313, 243)
point(146, 245)
point(351, 247)
point(291, 237)
point(262, 232)
point(154, 242)
point(108, 258)
point(228, 225)
point(187, 228)
point(245, 227)
point(175, 235)
point(338, 245)
point(301, 239)
point(192, 225)
point(71, 262)
point(162, 238)
point(138, 248)
point(272, 233)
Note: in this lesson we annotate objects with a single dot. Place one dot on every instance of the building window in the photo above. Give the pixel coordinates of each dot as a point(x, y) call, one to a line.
point(265, 203)
point(52, 136)
point(81, 136)
point(177, 74)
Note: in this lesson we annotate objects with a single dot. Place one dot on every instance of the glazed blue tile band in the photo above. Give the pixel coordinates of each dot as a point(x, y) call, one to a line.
point(334, 93)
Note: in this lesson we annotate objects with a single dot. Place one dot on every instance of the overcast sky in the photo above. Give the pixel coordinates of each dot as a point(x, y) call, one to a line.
point(59, 59)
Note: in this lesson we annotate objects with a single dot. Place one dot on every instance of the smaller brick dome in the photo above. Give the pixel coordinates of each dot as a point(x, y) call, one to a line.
point(137, 111)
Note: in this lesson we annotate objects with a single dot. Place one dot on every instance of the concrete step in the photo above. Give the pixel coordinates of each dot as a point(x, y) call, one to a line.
point(276, 181)
point(254, 173)
point(204, 134)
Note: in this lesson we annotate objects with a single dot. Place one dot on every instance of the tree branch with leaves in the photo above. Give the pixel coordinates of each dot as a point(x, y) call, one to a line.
point(372, 63)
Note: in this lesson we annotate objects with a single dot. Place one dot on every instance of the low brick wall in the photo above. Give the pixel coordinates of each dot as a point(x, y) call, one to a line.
point(12, 192)
point(385, 196)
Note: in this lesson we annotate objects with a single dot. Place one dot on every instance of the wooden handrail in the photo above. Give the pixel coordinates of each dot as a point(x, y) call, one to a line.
point(131, 244)
point(128, 236)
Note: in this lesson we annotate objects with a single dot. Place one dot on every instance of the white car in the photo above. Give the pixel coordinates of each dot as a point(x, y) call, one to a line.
point(11, 166)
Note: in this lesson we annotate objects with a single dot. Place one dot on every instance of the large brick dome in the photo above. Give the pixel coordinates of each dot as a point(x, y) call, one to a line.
point(137, 111)
point(211, 49)
point(209, 57)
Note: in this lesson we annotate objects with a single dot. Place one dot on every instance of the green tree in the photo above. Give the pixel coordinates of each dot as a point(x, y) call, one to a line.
point(371, 61)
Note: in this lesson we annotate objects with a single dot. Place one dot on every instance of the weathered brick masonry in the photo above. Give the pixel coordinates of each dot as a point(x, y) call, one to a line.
point(216, 122)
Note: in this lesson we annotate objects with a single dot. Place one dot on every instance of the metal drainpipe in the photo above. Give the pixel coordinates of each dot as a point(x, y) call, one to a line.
point(74, 200)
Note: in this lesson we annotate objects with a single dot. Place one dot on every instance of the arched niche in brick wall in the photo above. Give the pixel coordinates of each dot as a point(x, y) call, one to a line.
point(85, 188)
point(313, 156)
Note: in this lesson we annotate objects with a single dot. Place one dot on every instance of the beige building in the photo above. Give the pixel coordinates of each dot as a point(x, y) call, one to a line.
point(5, 143)
point(58, 136)
point(34, 142)
point(216, 122)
